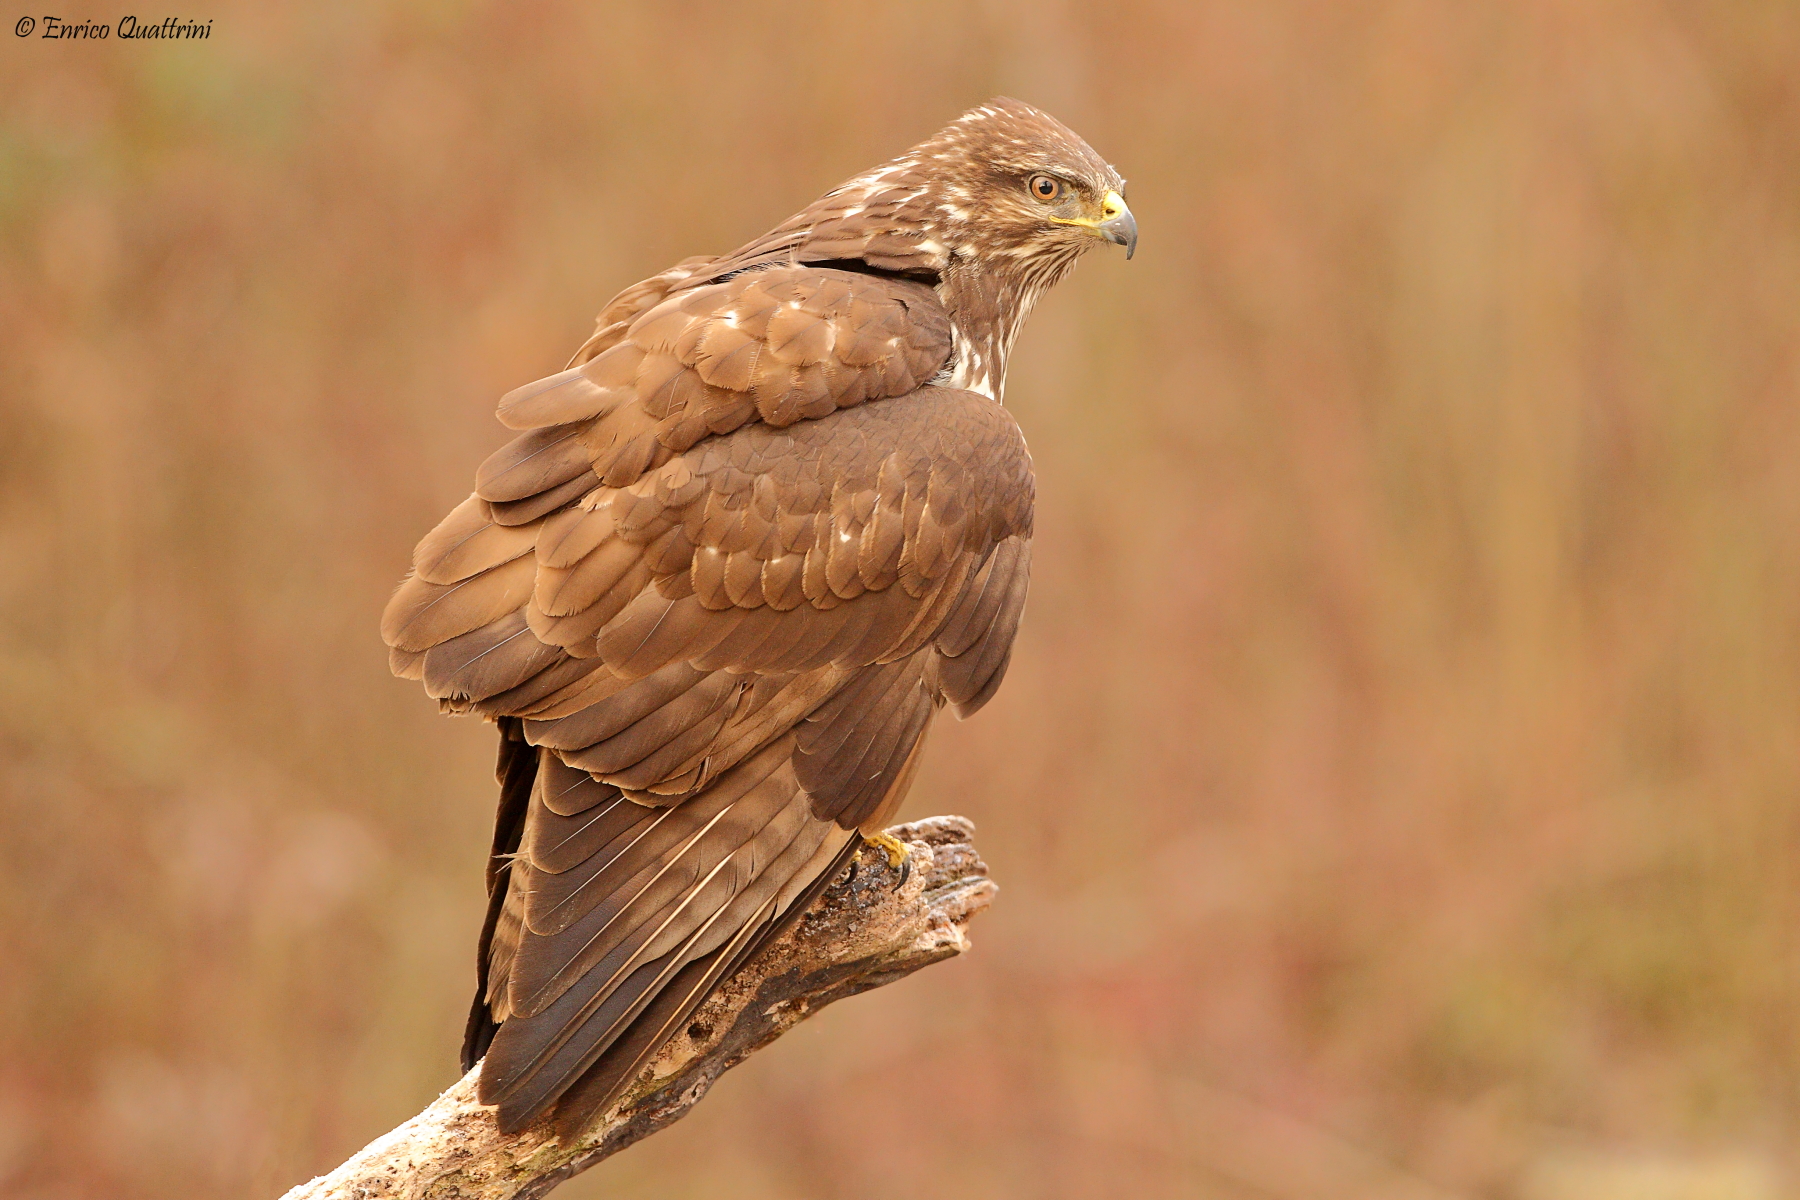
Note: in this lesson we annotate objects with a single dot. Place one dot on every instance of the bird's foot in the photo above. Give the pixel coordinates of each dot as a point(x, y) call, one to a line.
point(899, 854)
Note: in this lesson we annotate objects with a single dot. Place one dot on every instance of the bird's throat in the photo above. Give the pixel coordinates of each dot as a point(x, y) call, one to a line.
point(987, 309)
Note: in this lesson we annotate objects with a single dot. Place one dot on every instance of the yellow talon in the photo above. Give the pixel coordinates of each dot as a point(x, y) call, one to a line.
point(896, 850)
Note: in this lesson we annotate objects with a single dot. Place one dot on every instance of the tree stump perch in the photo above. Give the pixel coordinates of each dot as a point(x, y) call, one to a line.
point(861, 933)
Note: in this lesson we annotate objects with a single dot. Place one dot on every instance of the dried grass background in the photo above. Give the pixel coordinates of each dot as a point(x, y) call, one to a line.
point(1394, 793)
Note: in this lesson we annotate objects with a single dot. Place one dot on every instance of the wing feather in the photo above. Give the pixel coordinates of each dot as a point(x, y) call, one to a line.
point(498, 657)
point(529, 509)
point(532, 463)
point(467, 542)
point(422, 615)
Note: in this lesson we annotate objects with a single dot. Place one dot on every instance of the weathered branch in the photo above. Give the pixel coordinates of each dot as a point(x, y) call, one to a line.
point(863, 932)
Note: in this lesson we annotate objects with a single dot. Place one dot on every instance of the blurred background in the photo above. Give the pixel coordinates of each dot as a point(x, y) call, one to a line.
point(1394, 794)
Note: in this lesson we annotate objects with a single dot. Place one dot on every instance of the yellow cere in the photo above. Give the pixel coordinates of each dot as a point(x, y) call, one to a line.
point(1112, 205)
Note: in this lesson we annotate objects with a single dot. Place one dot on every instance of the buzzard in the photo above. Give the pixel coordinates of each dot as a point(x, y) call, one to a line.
point(769, 521)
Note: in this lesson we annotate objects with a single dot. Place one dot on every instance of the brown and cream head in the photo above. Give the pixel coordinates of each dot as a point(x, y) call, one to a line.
point(991, 210)
point(1003, 181)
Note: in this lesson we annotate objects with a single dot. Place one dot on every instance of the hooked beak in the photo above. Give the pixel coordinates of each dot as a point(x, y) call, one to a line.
point(1117, 225)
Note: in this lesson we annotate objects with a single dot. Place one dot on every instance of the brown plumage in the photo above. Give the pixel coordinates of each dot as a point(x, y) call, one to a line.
point(770, 519)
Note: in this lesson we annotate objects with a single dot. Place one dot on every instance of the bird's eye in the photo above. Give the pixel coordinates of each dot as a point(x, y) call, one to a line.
point(1044, 187)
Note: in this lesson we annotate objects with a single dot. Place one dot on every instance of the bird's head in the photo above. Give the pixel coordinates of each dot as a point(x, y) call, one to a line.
point(1005, 188)
point(1009, 180)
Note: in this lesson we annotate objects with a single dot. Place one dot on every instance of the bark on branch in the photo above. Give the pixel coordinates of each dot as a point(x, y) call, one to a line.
point(863, 932)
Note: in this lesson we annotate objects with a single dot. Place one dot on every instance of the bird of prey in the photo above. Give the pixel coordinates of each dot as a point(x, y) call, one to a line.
point(770, 519)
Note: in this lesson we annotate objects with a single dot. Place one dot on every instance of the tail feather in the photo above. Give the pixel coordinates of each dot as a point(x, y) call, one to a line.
point(606, 1080)
point(517, 773)
point(612, 917)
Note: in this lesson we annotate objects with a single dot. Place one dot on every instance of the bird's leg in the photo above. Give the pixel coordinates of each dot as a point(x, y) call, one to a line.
point(899, 854)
